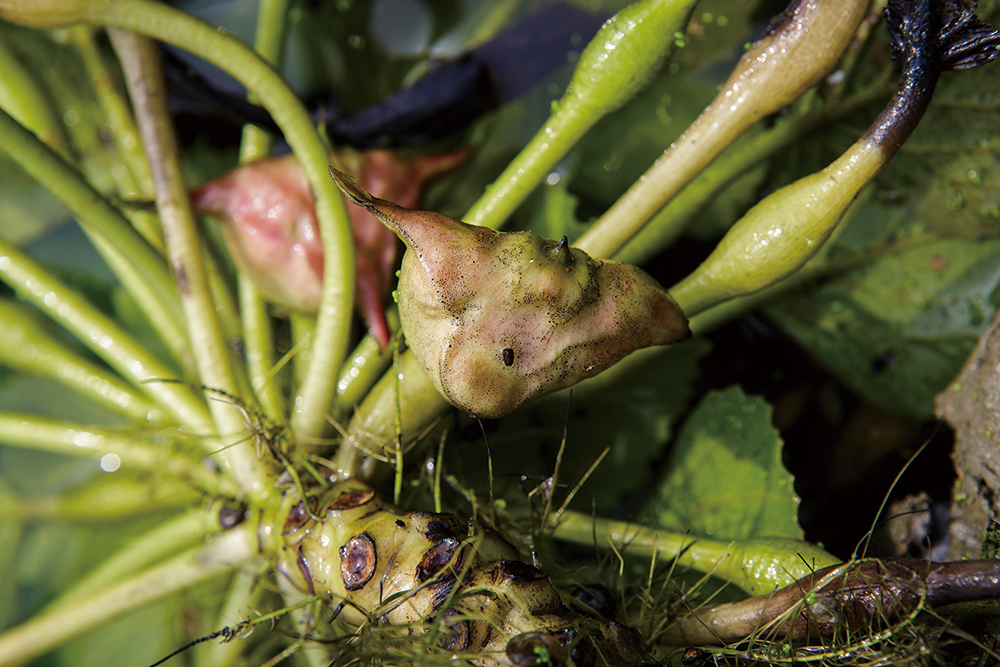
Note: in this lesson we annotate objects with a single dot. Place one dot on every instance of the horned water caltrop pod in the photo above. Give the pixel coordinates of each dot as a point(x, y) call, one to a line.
point(498, 318)
point(412, 567)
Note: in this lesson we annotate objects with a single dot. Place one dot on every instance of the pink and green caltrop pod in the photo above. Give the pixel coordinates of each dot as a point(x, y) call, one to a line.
point(499, 318)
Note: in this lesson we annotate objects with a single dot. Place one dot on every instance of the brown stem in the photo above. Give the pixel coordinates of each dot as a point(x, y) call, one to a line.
point(853, 596)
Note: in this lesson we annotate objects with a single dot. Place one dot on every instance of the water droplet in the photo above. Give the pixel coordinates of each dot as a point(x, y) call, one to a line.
point(110, 462)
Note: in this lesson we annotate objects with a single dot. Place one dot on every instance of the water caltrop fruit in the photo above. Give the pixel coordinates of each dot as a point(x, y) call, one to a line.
point(418, 570)
point(498, 318)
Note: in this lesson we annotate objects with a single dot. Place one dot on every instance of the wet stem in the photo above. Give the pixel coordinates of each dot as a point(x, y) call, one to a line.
point(203, 338)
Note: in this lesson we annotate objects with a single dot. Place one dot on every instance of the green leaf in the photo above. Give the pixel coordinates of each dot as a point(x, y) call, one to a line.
point(633, 408)
point(725, 478)
point(898, 331)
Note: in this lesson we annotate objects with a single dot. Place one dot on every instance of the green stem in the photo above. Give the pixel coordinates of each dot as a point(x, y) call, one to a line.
point(372, 429)
point(364, 366)
point(243, 596)
point(112, 496)
point(619, 61)
point(746, 152)
point(38, 635)
point(135, 181)
point(170, 25)
point(30, 348)
point(100, 334)
point(781, 233)
point(69, 439)
point(147, 278)
point(303, 326)
point(329, 346)
point(23, 98)
point(781, 66)
point(258, 339)
point(167, 539)
point(140, 58)
point(758, 566)
point(269, 43)
point(258, 344)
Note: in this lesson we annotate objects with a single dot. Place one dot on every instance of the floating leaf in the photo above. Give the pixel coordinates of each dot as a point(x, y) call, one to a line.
point(897, 332)
point(725, 478)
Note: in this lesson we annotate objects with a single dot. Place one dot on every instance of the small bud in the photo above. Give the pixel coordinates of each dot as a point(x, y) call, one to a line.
point(269, 222)
point(496, 319)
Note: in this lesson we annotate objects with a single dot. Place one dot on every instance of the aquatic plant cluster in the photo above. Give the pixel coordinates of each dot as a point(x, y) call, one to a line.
point(284, 344)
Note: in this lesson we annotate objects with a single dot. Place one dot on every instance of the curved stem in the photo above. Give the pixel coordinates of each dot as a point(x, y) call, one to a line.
point(30, 348)
point(42, 633)
point(135, 180)
point(805, 44)
point(69, 439)
point(619, 61)
point(100, 334)
point(147, 277)
point(757, 566)
point(746, 152)
point(140, 58)
point(258, 339)
point(229, 53)
point(167, 539)
point(23, 98)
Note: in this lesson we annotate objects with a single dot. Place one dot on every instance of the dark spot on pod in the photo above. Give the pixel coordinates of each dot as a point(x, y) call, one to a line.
point(297, 517)
point(508, 356)
point(458, 636)
point(441, 591)
point(400, 523)
point(597, 598)
point(306, 574)
point(230, 517)
point(536, 649)
point(439, 526)
point(520, 572)
point(357, 561)
point(351, 499)
point(437, 558)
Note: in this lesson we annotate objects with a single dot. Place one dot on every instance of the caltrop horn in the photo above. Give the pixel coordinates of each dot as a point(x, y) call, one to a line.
point(498, 318)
